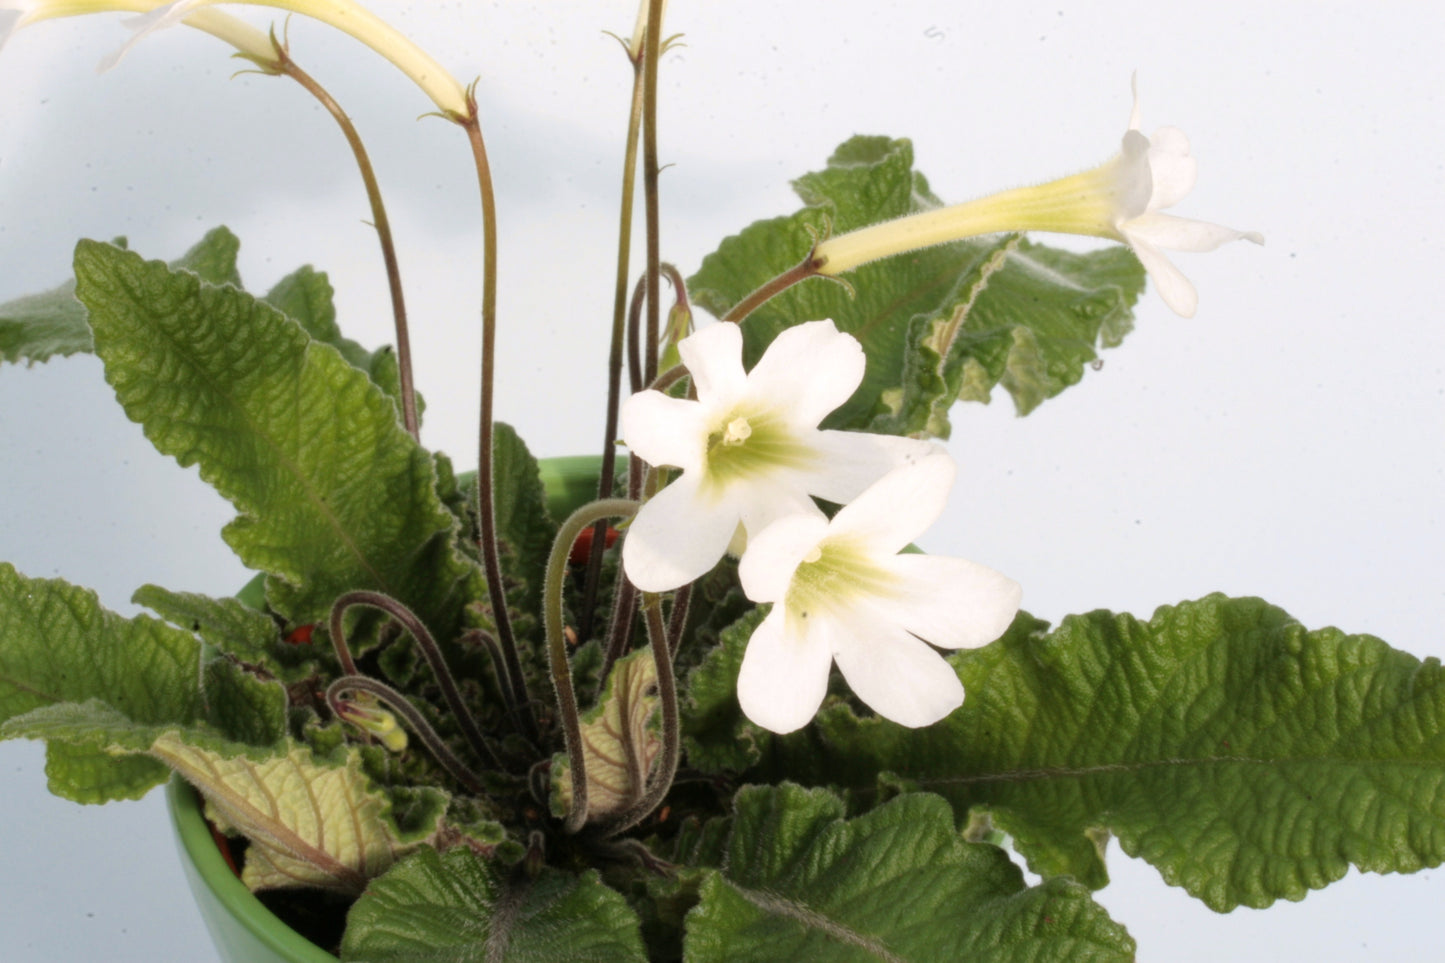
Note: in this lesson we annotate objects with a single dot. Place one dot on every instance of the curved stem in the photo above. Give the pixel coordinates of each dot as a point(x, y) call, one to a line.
point(557, 643)
point(667, 694)
point(634, 335)
point(430, 652)
point(807, 268)
point(414, 720)
point(677, 620)
point(486, 513)
point(379, 221)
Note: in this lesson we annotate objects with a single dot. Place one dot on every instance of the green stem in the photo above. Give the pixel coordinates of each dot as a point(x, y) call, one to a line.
point(379, 221)
point(557, 643)
point(486, 511)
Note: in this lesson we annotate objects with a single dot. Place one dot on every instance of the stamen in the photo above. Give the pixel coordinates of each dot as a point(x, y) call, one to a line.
point(737, 432)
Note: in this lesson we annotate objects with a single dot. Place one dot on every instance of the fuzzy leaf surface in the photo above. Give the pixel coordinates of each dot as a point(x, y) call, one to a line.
point(311, 821)
point(458, 908)
point(233, 628)
point(59, 645)
point(40, 326)
point(620, 740)
point(939, 324)
point(897, 884)
point(1246, 758)
point(333, 494)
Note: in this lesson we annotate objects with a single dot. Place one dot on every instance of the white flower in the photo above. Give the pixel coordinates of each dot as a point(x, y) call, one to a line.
point(840, 592)
point(749, 447)
point(1119, 200)
point(249, 41)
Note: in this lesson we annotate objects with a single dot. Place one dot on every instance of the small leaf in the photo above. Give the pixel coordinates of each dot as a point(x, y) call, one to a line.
point(523, 524)
point(242, 707)
point(620, 740)
point(459, 908)
point(897, 885)
point(717, 736)
point(1246, 758)
point(334, 495)
point(40, 326)
point(232, 628)
point(938, 324)
point(58, 645)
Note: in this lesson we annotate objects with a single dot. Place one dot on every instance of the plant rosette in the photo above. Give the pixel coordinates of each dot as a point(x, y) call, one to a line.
point(703, 704)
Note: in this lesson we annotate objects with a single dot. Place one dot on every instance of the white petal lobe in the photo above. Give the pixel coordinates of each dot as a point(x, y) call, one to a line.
point(783, 677)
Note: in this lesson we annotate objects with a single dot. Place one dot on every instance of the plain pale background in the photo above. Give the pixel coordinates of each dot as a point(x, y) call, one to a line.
point(1286, 442)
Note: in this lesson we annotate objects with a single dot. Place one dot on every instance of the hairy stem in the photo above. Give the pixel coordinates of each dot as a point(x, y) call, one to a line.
point(383, 231)
point(557, 643)
point(430, 652)
point(667, 694)
point(805, 269)
point(415, 722)
point(486, 511)
point(651, 50)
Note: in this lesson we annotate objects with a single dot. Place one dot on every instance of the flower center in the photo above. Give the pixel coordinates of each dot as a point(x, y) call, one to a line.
point(751, 444)
point(832, 577)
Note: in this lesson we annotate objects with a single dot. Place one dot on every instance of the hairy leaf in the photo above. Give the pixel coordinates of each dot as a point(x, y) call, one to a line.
point(311, 821)
point(938, 324)
point(459, 907)
point(620, 740)
point(232, 628)
point(333, 494)
point(58, 645)
point(897, 884)
point(41, 326)
point(1246, 758)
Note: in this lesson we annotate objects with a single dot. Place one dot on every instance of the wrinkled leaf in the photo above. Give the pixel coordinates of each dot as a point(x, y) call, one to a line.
point(459, 908)
point(1246, 758)
point(897, 885)
point(58, 645)
point(333, 494)
point(40, 326)
point(232, 628)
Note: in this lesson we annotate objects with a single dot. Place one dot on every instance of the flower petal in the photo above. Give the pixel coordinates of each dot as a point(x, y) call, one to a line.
point(763, 506)
point(1176, 289)
point(895, 674)
point(784, 676)
point(714, 358)
point(950, 602)
point(676, 537)
point(148, 23)
point(1171, 169)
point(665, 431)
point(773, 555)
point(898, 507)
point(809, 370)
point(850, 461)
point(1185, 234)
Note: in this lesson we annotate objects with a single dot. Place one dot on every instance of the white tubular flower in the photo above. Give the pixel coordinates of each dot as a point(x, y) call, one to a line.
point(1120, 200)
point(348, 17)
point(749, 447)
point(248, 41)
point(840, 592)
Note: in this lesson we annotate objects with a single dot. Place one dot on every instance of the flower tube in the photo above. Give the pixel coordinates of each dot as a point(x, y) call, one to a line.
point(1120, 200)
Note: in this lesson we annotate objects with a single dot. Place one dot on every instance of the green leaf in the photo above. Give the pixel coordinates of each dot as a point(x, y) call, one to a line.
point(938, 324)
point(306, 297)
point(717, 736)
point(232, 628)
point(241, 706)
point(58, 645)
point(311, 821)
point(334, 495)
point(459, 908)
point(897, 884)
point(524, 527)
point(40, 326)
point(620, 740)
point(1246, 758)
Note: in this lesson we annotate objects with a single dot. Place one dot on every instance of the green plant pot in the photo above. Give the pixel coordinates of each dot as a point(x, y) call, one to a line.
point(244, 930)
